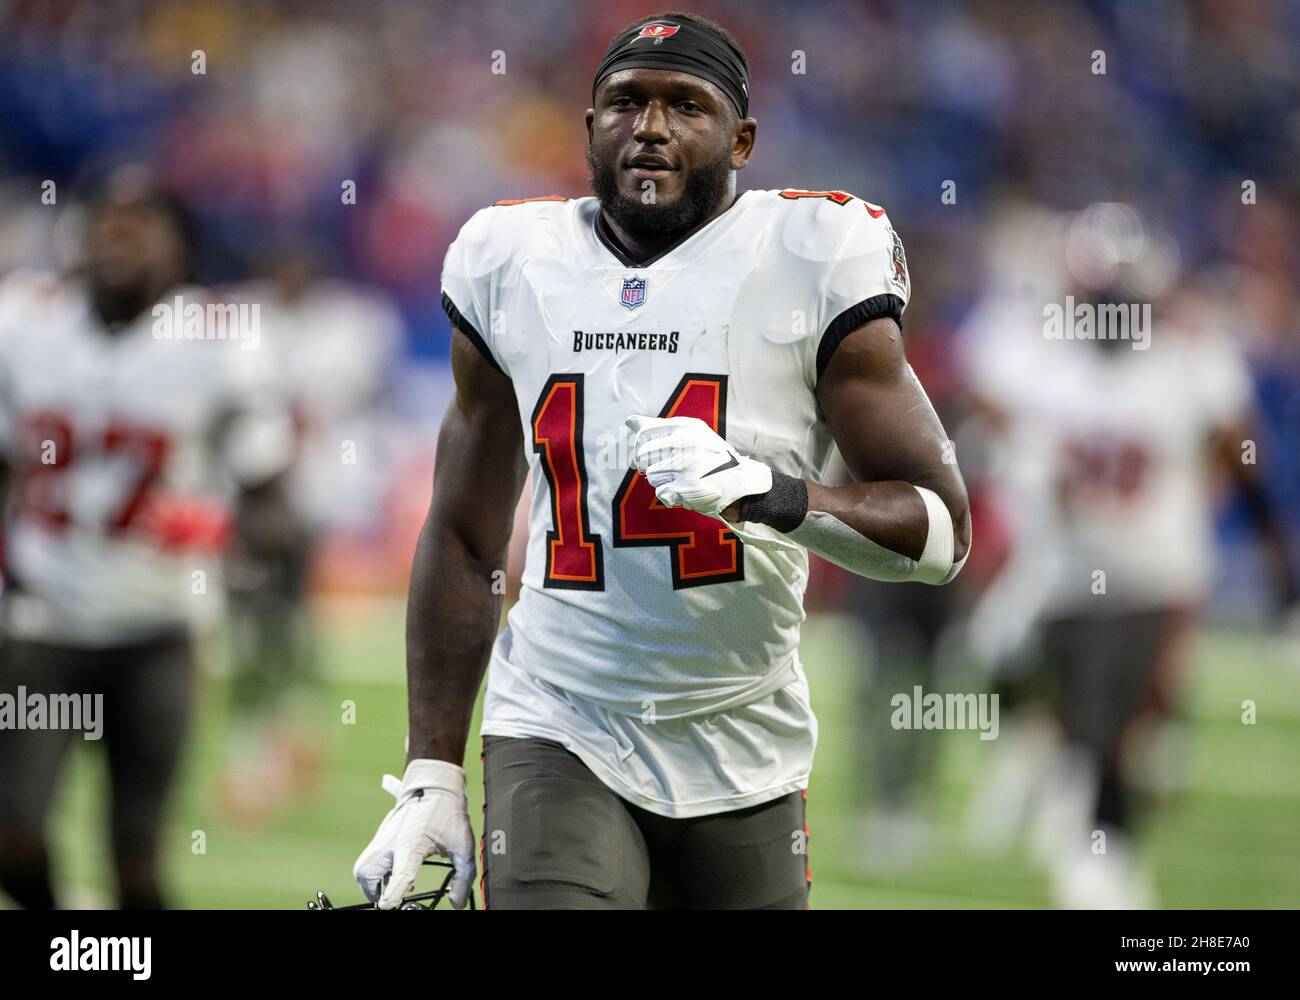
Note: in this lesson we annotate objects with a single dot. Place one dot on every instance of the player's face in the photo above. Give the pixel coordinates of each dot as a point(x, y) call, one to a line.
point(661, 144)
point(133, 245)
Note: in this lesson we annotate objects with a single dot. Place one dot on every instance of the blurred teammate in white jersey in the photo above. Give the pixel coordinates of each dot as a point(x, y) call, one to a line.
point(1122, 409)
point(335, 344)
point(133, 448)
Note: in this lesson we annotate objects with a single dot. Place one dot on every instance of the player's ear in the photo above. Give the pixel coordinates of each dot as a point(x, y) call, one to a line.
point(590, 116)
point(742, 143)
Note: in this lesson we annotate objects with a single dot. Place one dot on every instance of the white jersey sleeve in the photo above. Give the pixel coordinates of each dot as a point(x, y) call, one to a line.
point(866, 278)
point(1222, 384)
point(257, 440)
point(477, 265)
point(8, 418)
point(20, 292)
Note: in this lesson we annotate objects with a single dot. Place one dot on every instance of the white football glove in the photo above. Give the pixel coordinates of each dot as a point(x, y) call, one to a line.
point(690, 465)
point(431, 817)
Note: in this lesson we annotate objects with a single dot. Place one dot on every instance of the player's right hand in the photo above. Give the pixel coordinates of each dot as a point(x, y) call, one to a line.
point(431, 817)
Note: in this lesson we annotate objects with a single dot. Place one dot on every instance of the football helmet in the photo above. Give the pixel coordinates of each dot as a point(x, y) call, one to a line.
point(414, 901)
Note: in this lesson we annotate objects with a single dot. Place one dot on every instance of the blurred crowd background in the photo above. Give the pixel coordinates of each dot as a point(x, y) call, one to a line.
point(895, 100)
point(435, 109)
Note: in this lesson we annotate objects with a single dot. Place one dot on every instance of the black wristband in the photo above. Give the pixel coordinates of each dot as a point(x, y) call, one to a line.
point(783, 507)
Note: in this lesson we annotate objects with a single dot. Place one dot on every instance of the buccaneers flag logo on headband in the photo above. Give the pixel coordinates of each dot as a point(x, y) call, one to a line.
point(657, 31)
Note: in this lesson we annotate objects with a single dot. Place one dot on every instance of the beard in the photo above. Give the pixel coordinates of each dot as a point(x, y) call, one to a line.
point(705, 187)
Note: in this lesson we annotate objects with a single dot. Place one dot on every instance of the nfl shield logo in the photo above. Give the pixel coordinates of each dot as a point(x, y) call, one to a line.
point(633, 292)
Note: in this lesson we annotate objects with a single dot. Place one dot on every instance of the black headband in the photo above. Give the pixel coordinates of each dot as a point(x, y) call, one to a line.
point(684, 46)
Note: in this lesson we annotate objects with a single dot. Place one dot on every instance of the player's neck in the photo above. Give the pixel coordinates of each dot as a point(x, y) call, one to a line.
point(118, 307)
point(643, 247)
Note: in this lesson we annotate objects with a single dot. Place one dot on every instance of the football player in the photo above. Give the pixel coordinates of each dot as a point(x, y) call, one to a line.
point(1119, 441)
point(674, 362)
point(334, 343)
point(129, 452)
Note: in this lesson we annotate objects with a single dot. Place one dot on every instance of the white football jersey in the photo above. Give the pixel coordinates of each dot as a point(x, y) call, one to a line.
point(125, 449)
point(336, 344)
point(648, 612)
point(1127, 444)
point(1108, 449)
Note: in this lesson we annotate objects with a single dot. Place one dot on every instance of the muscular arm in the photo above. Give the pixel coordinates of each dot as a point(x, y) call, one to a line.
point(1225, 450)
point(894, 446)
point(453, 610)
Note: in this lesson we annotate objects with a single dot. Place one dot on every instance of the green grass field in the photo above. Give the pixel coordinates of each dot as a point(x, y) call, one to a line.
point(1230, 840)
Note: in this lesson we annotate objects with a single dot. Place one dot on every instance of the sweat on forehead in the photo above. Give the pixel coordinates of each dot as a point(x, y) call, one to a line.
point(684, 46)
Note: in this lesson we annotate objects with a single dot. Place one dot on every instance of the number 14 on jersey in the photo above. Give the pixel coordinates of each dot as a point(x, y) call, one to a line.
point(701, 550)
